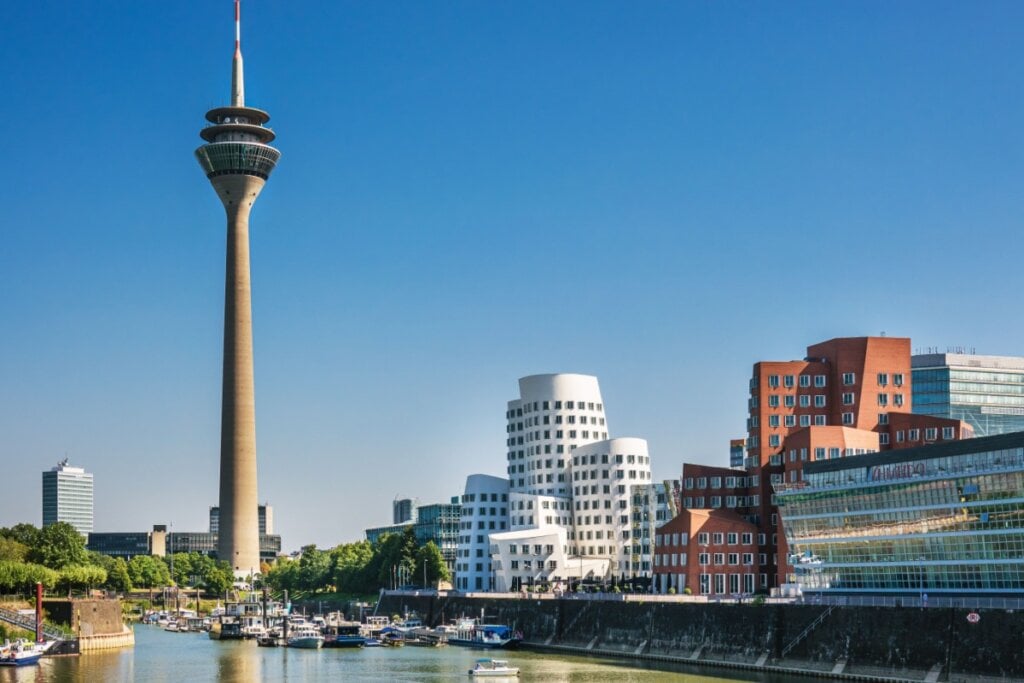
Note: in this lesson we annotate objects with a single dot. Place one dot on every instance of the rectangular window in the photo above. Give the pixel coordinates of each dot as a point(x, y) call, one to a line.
point(847, 418)
point(883, 418)
point(773, 381)
point(790, 401)
point(819, 401)
point(848, 399)
point(773, 401)
point(931, 433)
point(849, 378)
point(897, 400)
point(773, 420)
point(774, 440)
point(883, 379)
point(900, 435)
point(820, 420)
point(732, 538)
point(805, 420)
point(819, 453)
point(897, 379)
point(819, 380)
point(805, 401)
point(805, 380)
point(788, 381)
point(716, 482)
point(833, 453)
point(883, 400)
point(914, 435)
point(883, 439)
point(947, 432)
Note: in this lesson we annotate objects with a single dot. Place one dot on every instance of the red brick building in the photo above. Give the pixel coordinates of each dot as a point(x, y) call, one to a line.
point(848, 396)
point(711, 552)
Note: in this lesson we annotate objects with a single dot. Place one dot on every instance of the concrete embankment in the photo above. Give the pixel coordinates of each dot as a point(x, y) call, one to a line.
point(851, 643)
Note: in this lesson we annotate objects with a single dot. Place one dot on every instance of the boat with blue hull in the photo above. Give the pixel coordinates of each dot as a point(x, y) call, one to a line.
point(487, 637)
point(22, 653)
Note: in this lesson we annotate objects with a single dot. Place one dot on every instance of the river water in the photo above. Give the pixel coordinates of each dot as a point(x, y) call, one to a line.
point(163, 657)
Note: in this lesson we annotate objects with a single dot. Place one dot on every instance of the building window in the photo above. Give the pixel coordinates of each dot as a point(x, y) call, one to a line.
point(820, 420)
point(773, 381)
point(805, 420)
point(897, 399)
point(900, 436)
point(914, 435)
point(805, 401)
point(883, 379)
point(848, 399)
point(897, 379)
point(883, 418)
point(773, 420)
point(773, 401)
point(931, 433)
point(849, 378)
point(819, 401)
point(947, 432)
point(847, 418)
point(883, 439)
point(805, 381)
point(788, 381)
point(819, 380)
point(791, 420)
point(774, 440)
point(883, 400)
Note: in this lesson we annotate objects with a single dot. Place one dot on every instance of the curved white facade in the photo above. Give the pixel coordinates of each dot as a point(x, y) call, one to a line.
point(603, 475)
point(484, 512)
point(553, 415)
point(568, 500)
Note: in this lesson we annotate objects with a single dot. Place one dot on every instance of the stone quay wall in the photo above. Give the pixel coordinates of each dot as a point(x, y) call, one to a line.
point(863, 643)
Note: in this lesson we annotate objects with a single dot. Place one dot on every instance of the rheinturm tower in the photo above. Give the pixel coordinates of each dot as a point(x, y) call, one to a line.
point(238, 160)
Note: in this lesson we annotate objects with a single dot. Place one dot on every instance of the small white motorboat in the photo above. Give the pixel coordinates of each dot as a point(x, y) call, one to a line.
point(493, 667)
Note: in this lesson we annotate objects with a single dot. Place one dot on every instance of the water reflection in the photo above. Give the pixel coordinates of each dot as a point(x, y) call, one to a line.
point(163, 657)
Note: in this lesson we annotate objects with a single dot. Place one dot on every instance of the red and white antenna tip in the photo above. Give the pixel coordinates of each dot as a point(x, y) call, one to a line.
point(238, 25)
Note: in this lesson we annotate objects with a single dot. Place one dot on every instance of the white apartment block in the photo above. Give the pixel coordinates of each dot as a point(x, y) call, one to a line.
point(569, 493)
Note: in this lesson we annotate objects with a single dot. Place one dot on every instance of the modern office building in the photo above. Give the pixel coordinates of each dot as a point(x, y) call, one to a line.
point(651, 505)
point(847, 396)
point(264, 514)
point(437, 522)
point(237, 159)
point(68, 497)
point(160, 541)
point(944, 519)
point(986, 392)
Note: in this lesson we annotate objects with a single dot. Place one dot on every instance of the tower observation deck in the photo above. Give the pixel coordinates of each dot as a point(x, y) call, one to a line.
point(237, 160)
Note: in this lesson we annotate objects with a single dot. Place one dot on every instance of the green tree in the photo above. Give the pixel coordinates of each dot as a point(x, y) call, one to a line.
point(218, 577)
point(58, 545)
point(283, 576)
point(118, 578)
point(314, 570)
point(12, 550)
point(23, 576)
point(429, 556)
point(349, 562)
point(146, 571)
point(183, 568)
point(26, 534)
point(81, 576)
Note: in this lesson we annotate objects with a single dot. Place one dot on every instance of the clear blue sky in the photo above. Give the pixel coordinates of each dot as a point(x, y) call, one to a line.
point(659, 194)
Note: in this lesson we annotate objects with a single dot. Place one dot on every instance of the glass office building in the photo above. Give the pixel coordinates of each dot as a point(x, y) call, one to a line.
point(438, 522)
point(946, 519)
point(986, 392)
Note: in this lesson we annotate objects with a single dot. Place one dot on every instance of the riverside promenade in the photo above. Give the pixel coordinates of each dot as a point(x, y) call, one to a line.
point(839, 642)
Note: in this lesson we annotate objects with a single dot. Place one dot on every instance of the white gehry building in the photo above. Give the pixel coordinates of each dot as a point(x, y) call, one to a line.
point(568, 492)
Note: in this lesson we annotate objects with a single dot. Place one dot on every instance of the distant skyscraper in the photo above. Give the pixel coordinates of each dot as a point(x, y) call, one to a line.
point(237, 159)
point(736, 451)
point(68, 496)
point(403, 510)
point(986, 392)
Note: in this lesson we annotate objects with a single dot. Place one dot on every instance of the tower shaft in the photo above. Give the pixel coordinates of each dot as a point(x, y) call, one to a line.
point(238, 541)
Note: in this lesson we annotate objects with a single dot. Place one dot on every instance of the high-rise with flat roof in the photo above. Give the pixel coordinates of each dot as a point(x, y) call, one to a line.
point(986, 392)
point(68, 497)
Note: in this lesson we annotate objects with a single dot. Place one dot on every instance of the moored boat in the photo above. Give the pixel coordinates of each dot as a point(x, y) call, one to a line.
point(306, 637)
point(493, 667)
point(486, 636)
point(344, 635)
point(22, 652)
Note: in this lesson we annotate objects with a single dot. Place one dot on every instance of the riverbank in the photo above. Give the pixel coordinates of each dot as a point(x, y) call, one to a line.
point(839, 643)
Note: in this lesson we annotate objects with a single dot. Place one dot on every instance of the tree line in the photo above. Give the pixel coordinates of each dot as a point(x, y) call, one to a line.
point(361, 568)
point(56, 556)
